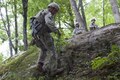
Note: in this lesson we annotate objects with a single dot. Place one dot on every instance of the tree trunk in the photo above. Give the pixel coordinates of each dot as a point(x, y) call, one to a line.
point(103, 13)
point(16, 28)
point(115, 10)
point(77, 14)
point(25, 6)
point(83, 14)
point(8, 31)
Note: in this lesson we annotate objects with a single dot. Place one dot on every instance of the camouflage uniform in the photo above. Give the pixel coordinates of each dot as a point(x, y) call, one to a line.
point(93, 26)
point(44, 40)
point(78, 30)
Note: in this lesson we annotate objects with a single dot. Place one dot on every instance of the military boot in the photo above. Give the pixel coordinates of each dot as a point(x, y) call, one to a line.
point(38, 71)
point(39, 67)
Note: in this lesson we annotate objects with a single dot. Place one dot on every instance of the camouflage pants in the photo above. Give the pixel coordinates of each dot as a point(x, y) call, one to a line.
point(48, 54)
point(92, 28)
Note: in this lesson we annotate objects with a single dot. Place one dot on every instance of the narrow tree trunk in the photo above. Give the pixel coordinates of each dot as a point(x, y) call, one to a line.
point(25, 6)
point(9, 32)
point(83, 14)
point(7, 29)
point(16, 28)
point(103, 13)
point(115, 10)
point(77, 14)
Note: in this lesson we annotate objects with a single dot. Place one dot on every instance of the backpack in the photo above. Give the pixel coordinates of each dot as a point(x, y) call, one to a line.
point(37, 25)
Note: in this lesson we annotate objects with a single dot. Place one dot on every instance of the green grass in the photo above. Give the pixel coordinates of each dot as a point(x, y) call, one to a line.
point(17, 68)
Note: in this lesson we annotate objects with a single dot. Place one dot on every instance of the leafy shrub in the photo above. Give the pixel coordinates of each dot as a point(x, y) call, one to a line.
point(60, 42)
point(112, 58)
point(99, 63)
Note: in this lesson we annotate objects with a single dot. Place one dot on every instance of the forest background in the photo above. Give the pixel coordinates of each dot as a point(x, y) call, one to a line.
point(15, 33)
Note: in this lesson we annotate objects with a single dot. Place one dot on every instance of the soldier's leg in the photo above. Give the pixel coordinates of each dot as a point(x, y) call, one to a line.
point(42, 54)
point(41, 60)
point(51, 46)
point(52, 64)
point(91, 28)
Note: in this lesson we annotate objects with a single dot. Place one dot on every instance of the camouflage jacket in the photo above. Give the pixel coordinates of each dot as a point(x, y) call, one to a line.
point(48, 19)
point(77, 31)
point(93, 25)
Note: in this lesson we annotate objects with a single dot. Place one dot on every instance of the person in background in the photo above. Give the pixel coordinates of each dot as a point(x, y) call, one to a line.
point(93, 26)
point(78, 29)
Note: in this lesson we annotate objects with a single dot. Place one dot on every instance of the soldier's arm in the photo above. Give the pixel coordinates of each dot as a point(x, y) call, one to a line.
point(50, 22)
point(73, 33)
point(96, 26)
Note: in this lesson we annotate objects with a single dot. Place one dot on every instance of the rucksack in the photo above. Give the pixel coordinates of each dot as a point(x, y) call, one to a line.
point(37, 25)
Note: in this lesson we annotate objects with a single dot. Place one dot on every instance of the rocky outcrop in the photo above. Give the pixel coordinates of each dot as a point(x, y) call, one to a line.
point(98, 41)
point(75, 58)
point(84, 47)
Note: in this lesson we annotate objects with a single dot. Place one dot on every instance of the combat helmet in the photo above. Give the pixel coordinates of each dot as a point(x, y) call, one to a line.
point(93, 19)
point(55, 5)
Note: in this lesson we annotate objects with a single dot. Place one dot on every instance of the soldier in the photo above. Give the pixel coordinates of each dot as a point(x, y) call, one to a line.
point(77, 30)
point(93, 26)
point(42, 25)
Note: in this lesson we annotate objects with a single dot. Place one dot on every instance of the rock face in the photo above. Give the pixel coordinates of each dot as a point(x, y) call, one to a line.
point(75, 58)
point(98, 41)
point(85, 47)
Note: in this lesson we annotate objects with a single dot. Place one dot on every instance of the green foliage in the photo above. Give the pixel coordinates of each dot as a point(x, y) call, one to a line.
point(11, 76)
point(114, 56)
point(99, 63)
point(3, 35)
point(21, 67)
point(1, 58)
point(14, 76)
point(114, 76)
point(111, 59)
point(21, 62)
point(21, 48)
point(60, 41)
point(118, 3)
point(115, 48)
point(93, 10)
